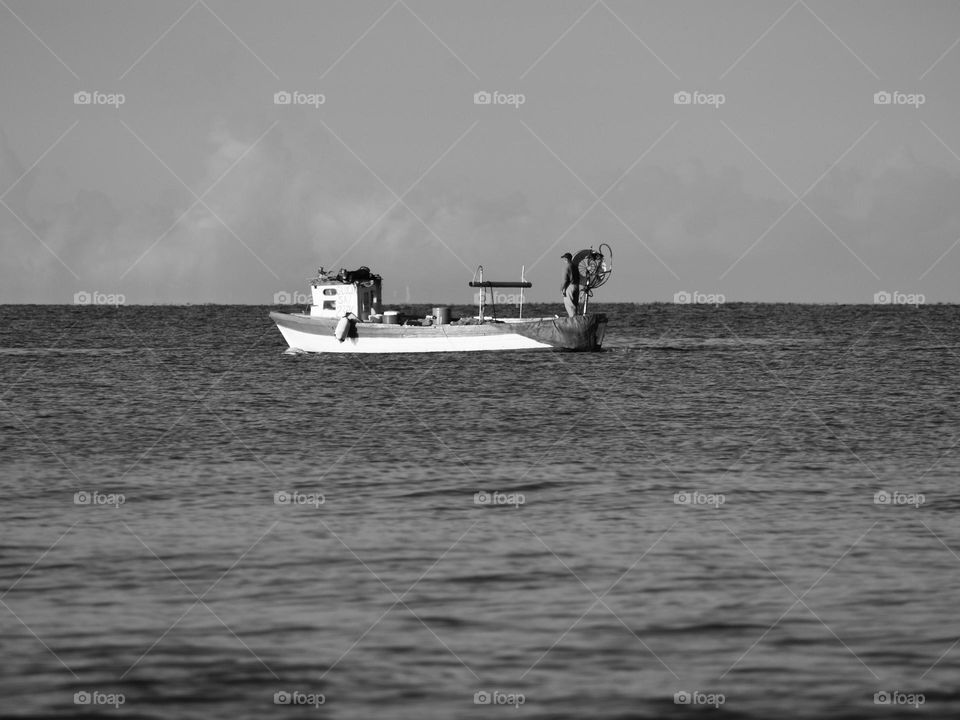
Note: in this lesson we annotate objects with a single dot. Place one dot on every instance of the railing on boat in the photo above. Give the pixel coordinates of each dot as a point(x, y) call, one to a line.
point(481, 283)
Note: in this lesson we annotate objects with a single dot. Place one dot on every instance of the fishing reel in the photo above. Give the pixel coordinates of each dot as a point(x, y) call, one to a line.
point(595, 267)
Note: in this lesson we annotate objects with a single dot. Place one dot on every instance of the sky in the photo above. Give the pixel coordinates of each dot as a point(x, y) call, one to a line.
point(186, 178)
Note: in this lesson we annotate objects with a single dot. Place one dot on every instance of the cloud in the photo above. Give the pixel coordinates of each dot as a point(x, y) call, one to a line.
point(898, 216)
point(279, 209)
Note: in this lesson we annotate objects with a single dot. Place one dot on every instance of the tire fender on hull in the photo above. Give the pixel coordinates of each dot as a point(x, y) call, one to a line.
point(343, 327)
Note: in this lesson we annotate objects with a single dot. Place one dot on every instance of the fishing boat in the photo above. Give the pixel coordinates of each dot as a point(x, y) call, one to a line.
point(346, 316)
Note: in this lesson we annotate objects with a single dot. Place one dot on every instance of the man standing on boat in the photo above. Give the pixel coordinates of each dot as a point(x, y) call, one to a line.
point(571, 285)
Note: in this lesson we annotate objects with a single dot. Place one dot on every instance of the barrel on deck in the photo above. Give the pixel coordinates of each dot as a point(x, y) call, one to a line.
point(442, 315)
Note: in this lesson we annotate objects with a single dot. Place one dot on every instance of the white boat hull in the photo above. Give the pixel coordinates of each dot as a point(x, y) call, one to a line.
point(322, 344)
point(309, 334)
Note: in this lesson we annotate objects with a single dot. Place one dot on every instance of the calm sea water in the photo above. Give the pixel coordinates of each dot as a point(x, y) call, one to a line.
point(693, 509)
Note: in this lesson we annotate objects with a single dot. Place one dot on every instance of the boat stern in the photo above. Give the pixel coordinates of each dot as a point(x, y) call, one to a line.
point(577, 333)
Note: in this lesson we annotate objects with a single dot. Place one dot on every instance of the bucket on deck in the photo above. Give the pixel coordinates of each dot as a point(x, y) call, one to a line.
point(442, 315)
point(390, 317)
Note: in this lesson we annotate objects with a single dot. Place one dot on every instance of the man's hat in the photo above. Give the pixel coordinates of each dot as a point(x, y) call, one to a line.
point(567, 255)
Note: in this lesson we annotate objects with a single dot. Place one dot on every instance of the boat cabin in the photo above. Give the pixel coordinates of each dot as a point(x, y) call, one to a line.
point(349, 291)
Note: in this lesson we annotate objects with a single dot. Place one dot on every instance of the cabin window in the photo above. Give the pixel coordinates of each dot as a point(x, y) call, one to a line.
point(329, 304)
point(329, 291)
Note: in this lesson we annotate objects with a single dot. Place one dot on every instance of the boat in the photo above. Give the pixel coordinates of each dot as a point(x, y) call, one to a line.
point(346, 316)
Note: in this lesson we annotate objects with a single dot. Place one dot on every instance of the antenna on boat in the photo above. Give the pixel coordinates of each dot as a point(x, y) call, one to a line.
point(522, 280)
point(483, 290)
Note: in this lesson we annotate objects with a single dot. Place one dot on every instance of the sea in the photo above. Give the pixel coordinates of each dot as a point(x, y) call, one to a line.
point(735, 510)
